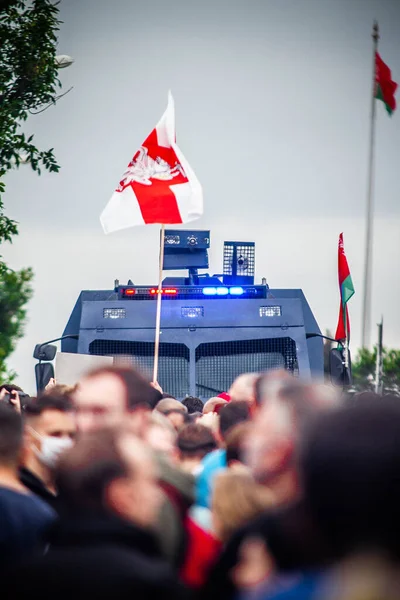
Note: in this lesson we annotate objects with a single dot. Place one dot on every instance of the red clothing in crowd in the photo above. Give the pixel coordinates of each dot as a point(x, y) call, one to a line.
point(202, 552)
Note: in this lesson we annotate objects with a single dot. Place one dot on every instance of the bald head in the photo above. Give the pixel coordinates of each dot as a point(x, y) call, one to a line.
point(174, 411)
point(287, 407)
point(243, 389)
point(214, 405)
point(168, 404)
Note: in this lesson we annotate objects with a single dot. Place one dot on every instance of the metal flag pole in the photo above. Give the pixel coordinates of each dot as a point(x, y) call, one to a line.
point(346, 350)
point(366, 309)
point(158, 309)
point(379, 360)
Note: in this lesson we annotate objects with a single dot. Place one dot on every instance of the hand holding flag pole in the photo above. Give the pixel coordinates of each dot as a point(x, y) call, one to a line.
point(158, 186)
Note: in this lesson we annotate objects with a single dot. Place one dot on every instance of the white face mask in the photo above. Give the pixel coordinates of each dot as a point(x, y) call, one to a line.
point(51, 449)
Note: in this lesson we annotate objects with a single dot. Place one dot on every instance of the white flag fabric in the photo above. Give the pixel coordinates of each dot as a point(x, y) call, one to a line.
point(158, 186)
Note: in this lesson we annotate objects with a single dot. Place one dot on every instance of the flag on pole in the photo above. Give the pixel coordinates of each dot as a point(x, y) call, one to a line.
point(385, 87)
point(158, 186)
point(346, 292)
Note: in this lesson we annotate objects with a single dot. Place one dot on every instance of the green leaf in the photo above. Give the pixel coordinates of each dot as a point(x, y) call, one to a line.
point(29, 81)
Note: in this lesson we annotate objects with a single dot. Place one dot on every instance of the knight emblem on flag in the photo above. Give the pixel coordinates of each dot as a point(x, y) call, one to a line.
point(143, 168)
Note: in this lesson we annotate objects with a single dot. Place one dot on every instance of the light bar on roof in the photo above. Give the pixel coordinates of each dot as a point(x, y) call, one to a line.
point(236, 291)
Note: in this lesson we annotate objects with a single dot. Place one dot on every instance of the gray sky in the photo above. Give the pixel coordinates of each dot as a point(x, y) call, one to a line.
point(272, 105)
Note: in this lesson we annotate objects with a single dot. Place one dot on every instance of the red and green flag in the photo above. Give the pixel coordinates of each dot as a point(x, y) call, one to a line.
point(385, 87)
point(346, 292)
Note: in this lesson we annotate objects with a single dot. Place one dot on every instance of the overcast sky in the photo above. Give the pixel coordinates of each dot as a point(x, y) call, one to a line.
point(272, 106)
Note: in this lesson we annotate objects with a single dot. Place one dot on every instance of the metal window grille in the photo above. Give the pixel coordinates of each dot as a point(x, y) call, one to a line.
point(173, 363)
point(219, 363)
point(239, 258)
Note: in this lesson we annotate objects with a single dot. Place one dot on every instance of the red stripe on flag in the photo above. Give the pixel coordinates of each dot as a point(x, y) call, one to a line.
point(343, 266)
point(157, 202)
point(341, 333)
point(383, 79)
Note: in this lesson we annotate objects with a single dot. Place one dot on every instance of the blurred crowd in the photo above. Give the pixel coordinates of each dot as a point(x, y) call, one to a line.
point(275, 489)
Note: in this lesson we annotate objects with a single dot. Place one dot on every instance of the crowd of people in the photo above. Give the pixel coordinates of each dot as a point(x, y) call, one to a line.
point(275, 489)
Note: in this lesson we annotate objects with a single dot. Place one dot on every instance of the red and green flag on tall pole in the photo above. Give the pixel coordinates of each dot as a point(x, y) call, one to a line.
point(385, 87)
point(346, 292)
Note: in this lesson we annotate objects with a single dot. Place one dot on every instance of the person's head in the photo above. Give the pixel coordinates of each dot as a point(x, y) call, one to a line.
point(166, 395)
point(10, 437)
point(61, 391)
point(14, 395)
point(236, 440)
point(287, 405)
point(193, 404)
point(49, 430)
point(161, 435)
point(350, 465)
point(107, 396)
point(237, 498)
point(10, 387)
point(195, 441)
point(243, 389)
point(110, 471)
point(231, 415)
point(214, 405)
point(174, 410)
point(194, 417)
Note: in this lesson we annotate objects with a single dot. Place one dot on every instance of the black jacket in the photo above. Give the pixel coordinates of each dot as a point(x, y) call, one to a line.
point(37, 487)
point(96, 558)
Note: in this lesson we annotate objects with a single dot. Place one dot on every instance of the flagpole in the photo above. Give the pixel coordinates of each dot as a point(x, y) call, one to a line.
point(158, 309)
point(346, 347)
point(366, 310)
point(379, 359)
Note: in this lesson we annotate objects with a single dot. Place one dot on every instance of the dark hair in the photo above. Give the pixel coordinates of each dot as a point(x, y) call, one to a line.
point(165, 395)
point(350, 464)
point(10, 387)
point(193, 404)
point(192, 417)
point(139, 392)
point(84, 472)
point(10, 435)
point(231, 414)
point(47, 402)
point(195, 440)
point(234, 441)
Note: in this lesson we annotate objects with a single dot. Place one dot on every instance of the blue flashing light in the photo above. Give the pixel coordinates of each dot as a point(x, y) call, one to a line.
point(236, 291)
point(222, 291)
point(209, 291)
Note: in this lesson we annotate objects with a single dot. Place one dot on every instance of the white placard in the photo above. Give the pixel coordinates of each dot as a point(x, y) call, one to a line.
point(70, 367)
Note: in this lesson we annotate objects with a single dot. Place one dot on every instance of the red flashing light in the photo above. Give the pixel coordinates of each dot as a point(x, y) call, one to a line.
point(130, 292)
point(168, 291)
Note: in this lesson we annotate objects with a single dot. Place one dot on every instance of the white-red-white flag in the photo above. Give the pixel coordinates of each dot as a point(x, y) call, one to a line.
point(158, 186)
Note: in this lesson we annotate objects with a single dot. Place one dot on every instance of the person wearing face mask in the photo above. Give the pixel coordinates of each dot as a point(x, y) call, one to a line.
point(49, 428)
point(103, 546)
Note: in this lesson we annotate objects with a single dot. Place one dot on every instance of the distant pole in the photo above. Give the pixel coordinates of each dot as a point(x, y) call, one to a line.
point(158, 306)
point(366, 310)
point(379, 360)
